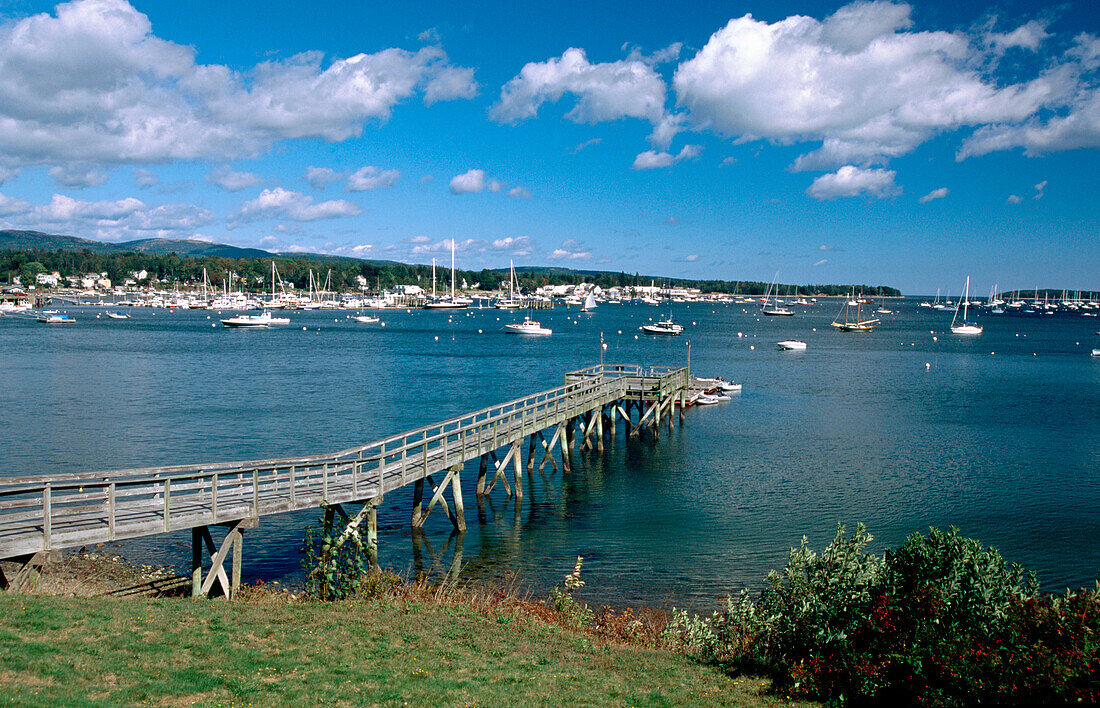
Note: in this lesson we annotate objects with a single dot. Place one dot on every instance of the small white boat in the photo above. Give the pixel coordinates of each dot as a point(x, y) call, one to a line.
point(706, 400)
point(365, 319)
point(729, 386)
point(55, 319)
point(663, 327)
point(965, 327)
point(262, 320)
point(528, 326)
point(117, 315)
point(791, 345)
point(1096, 352)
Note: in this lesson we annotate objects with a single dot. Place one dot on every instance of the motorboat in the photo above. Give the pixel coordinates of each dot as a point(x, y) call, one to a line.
point(528, 326)
point(55, 318)
point(117, 315)
point(663, 327)
point(365, 319)
point(261, 320)
point(791, 345)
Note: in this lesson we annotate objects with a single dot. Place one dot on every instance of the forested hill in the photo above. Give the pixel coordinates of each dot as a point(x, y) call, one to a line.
point(27, 253)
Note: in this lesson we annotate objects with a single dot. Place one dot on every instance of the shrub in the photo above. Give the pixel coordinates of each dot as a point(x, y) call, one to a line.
point(335, 563)
point(941, 620)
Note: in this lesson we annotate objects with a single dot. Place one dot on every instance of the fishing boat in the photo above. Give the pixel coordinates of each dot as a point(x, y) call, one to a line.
point(858, 324)
point(792, 345)
point(55, 318)
point(776, 310)
point(663, 327)
point(262, 320)
point(452, 302)
point(528, 326)
point(965, 327)
point(117, 315)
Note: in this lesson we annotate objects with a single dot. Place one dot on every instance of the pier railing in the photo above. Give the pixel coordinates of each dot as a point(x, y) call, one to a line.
point(43, 512)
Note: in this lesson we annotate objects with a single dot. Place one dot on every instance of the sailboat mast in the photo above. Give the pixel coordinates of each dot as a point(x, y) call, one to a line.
point(433, 277)
point(452, 268)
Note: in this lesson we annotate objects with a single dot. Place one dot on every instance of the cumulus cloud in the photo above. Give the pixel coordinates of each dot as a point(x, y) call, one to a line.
point(92, 83)
point(228, 179)
point(1014, 199)
point(934, 194)
point(1028, 36)
point(652, 159)
point(370, 177)
point(514, 245)
point(1039, 190)
point(320, 177)
point(566, 254)
point(519, 193)
point(76, 177)
point(851, 181)
point(469, 182)
point(279, 203)
point(145, 178)
point(111, 220)
point(628, 88)
point(860, 82)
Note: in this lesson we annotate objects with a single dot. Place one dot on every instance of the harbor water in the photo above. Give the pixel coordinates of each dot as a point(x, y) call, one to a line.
point(903, 428)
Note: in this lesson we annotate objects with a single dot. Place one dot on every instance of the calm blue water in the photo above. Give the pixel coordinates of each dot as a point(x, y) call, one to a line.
point(998, 435)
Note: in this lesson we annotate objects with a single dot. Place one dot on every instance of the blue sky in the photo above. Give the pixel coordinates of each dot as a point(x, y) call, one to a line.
point(878, 142)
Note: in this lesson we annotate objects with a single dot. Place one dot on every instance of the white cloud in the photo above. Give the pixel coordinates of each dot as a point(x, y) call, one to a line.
point(76, 177)
point(692, 258)
point(858, 81)
point(934, 194)
point(519, 193)
point(604, 91)
point(570, 251)
point(93, 84)
point(429, 35)
point(494, 185)
point(111, 220)
point(587, 143)
point(1014, 199)
point(851, 181)
point(514, 245)
point(226, 178)
point(370, 177)
point(10, 206)
point(145, 178)
point(469, 182)
point(822, 262)
point(651, 159)
point(1028, 36)
point(320, 177)
point(279, 203)
point(418, 239)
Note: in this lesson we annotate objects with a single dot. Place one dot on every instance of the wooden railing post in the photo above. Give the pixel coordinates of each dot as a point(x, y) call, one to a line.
point(256, 493)
point(47, 515)
point(167, 502)
point(111, 511)
point(214, 496)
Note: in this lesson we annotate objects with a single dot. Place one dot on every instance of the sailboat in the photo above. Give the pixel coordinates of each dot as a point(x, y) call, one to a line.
point(858, 324)
point(452, 302)
point(776, 309)
point(589, 303)
point(965, 327)
point(511, 303)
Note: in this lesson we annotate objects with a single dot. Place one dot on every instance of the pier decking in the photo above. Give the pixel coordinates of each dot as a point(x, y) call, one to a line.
point(44, 513)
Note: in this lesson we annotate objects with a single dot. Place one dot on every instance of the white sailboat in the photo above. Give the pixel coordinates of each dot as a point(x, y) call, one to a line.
point(774, 301)
point(452, 302)
point(965, 327)
point(589, 303)
point(511, 303)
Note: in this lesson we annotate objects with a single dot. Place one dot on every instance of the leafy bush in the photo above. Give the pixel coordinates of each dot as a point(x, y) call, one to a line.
point(335, 563)
point(941, 620)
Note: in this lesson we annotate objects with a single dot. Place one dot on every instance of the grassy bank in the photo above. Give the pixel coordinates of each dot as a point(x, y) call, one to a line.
point(270, 650)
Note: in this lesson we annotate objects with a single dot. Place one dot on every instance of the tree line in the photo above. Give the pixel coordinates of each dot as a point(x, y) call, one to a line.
point(254, 274)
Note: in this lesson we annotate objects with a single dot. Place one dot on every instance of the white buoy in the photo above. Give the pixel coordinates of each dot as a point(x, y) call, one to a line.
point(479, 331)
point(752, 347)
point(927, 366)
point(935, 339)
point(382, 325)
point(213, 325)
point(437, 338)
point(303, 329)
point(739, 335)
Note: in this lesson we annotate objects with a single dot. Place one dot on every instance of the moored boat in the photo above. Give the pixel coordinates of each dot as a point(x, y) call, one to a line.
point(792, 345)
point(528, 326)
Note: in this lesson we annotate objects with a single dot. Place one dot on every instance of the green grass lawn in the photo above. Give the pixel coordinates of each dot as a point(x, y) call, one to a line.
point(267, 652)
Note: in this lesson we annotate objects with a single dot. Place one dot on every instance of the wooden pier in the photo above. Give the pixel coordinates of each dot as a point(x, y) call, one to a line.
point(46, 513)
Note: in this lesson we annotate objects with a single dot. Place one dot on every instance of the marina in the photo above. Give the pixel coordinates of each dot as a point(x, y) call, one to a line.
point(900, 429)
